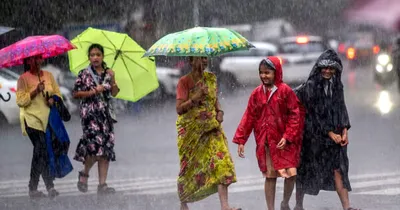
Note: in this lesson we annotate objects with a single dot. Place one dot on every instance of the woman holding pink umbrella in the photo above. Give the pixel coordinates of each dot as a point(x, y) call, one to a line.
point(34, 114)
point(33, 102)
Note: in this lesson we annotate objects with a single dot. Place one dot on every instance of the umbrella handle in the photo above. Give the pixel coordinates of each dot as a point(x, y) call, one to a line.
point(39, 82)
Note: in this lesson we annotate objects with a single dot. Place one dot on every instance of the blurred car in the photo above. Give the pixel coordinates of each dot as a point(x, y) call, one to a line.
point(241, 67)
point(298, 55)
point(384, 74)
point(168, 80)
point(10, 110)
point(359, 48)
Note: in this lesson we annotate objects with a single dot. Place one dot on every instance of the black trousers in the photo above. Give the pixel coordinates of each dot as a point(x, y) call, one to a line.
point(40, 164)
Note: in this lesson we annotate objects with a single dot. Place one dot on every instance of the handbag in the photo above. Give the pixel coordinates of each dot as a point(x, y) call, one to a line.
point(110, 108)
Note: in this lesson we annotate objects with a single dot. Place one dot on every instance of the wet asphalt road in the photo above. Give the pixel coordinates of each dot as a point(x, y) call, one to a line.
point(147, 161)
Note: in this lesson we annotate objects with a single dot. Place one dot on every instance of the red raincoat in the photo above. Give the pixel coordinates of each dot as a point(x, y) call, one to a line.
point(272, 119)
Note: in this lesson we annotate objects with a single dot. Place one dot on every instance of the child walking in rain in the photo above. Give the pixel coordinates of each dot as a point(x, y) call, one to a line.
point(324, 163)
point(273, 112)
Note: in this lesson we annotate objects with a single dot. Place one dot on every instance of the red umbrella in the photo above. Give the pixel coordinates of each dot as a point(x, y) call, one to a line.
point(47, 46)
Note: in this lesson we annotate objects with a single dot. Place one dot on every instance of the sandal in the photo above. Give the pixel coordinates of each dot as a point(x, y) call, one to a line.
point(285, 207)
point(82, 186)
point(103, 189)
point(352, 209)
point(298, 208)
point(52, 193)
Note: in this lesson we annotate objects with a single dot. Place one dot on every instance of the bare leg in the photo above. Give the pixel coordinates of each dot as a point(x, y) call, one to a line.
point(223, 196)
point(270, 187)
point(89, 162)
point(299, 197)
point(184, 206)
point(288, 190)
point(103, 170)
point(341, 191)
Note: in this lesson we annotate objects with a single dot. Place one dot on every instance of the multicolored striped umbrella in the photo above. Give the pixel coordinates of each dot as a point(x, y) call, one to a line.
point(199, 41)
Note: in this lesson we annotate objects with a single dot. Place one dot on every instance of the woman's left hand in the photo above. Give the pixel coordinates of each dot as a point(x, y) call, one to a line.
point(50, 102)
point(112, 75)
point(220, 116)
point(345, 138)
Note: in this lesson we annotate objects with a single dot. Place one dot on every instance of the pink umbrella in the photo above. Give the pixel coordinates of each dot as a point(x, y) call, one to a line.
point(47, 46)
point(385, 13)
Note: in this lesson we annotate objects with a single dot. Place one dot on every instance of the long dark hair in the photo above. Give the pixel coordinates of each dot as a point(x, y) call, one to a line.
point(99, 47)
point(27, 67)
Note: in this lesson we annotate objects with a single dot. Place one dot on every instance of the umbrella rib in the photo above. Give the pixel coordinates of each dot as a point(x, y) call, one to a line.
point(109, 40)
point(119, 52)
point(220, 41)
point(123, 43)
point(130, 76)
point(134, 62)
point(191, 43)
point(209, 37)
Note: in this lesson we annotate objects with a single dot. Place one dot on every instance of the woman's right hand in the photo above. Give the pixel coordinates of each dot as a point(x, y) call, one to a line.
point(99, 88)
point(335, 137)
point(199, 94)
point(241, 150)
point(40, 87)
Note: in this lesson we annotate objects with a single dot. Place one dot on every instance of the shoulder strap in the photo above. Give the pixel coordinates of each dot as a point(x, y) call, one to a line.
point(92, 74)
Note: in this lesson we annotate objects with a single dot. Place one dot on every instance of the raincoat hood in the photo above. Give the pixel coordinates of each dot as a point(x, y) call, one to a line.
point(329, 58)
point(275, 63)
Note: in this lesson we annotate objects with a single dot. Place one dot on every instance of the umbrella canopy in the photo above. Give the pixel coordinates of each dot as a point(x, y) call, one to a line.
point(384, 13)
point(136, 76)
point(47, 46)
point(199, 41)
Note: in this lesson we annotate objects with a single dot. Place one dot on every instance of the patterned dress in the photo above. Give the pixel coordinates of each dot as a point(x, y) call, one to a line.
point(205, 161)
point(98, 130)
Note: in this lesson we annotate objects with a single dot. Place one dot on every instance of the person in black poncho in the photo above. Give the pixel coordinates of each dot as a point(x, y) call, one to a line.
point(324, 163)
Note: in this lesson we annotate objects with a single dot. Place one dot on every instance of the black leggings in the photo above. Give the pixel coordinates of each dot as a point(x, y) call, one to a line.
point(40, 164)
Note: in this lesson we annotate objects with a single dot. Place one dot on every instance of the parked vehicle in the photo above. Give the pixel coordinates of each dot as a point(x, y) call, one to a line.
point(9, 111)
point(241, 68)
point(299, 54)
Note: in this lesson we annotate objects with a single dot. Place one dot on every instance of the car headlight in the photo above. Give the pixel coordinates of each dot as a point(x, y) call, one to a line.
point(389, 67)
point(383, 59)
point(379, 68)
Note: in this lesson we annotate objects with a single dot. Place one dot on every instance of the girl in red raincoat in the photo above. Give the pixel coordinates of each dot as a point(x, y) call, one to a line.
point(273, 112)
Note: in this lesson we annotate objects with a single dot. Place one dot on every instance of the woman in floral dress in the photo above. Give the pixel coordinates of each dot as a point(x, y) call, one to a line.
point(94, 86)
point(206, 166)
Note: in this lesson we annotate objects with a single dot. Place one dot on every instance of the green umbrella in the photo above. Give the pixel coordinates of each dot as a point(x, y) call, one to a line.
point(136, 76)
point(199, 41)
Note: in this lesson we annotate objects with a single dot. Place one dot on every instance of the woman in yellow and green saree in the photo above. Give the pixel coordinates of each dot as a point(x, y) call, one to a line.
point(206, 166)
